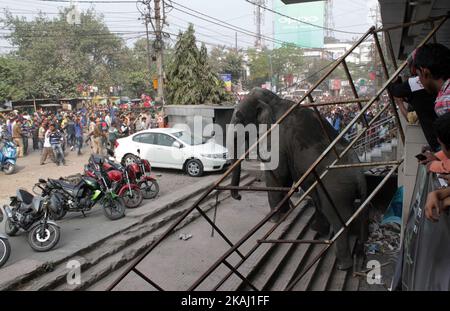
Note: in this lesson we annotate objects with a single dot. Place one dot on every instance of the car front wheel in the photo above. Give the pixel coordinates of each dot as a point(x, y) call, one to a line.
point(194, 168)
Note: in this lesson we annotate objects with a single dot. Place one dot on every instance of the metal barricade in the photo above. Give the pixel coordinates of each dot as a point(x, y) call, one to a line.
point(394, 165)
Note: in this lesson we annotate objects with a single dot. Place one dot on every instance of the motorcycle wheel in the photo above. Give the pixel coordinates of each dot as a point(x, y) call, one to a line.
point(113, 208)
point(9, 168)
point(44, 241)
point(58, 215)
point(149, 188)
point(133, 200)
point(10, 228)
point(5, 251)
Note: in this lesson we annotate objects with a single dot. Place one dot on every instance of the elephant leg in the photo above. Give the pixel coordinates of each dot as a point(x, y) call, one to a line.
point(319, 221)
point(361, 226)
point(275, 197)
point(345, 203)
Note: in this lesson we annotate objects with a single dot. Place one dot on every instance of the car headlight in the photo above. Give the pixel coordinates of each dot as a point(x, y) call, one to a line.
point(213, 156)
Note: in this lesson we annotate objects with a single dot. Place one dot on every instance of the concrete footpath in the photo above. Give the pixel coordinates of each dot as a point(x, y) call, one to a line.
point(96, 230)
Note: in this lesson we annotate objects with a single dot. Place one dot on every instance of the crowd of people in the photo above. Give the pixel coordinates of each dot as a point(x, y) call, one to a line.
point(54, 132)
point(427, 91)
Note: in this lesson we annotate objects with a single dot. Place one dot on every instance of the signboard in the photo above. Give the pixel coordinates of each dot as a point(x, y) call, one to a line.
point(226, 78)
point(296, 32)
point(423, 262)
point(335, 84)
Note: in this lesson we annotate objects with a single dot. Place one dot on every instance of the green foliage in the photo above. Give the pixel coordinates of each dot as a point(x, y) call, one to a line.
point(264, 64)
point(11, 78)
point(190, 78)
point(56, 56)
point(223, 60)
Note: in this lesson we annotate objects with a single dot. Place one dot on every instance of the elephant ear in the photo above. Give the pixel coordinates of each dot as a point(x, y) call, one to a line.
point(264, 113)
point(264, 116)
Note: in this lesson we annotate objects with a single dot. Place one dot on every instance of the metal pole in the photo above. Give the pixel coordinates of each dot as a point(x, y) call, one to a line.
point(316, 110)
point(231, 168)
point(296, 241)
point(350, 220)
point(330, 103)
point(391, 98)
point(391, 49)
point(352, 86)
point(215, 213)
point(159, 51)
point(420, 21)
point(303, 196)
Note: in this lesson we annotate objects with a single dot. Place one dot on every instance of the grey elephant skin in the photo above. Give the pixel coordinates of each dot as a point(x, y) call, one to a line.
point(301, 142)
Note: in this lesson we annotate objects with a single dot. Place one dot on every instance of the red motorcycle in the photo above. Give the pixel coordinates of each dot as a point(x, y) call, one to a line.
point(144, 177)
point(122, 179)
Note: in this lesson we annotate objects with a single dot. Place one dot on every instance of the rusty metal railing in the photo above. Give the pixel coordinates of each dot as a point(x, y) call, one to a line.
point(234, 248)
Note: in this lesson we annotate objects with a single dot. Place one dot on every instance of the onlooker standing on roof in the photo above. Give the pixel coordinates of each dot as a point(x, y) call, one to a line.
point(439, 200)
point(419, 99)
point(433, 66)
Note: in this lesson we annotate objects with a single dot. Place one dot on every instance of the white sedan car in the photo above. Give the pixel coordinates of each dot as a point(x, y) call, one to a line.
point(172, 148)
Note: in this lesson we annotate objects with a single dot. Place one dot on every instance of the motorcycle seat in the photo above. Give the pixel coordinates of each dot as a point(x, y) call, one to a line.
point(24, 196)
point(28, 200)
point(69, 187)
point(63, 184)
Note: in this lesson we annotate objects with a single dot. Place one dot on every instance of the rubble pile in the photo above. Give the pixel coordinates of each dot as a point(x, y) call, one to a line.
point(383, 238)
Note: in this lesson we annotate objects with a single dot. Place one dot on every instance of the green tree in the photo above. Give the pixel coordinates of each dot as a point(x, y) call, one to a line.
point(190, 79)
point(11, 78)
point(62, 55)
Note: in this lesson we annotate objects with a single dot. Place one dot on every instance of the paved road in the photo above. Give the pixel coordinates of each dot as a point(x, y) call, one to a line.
point(75, 227)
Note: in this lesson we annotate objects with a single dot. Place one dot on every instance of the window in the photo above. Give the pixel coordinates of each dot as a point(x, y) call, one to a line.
point(189, 138)
point(146, 138)
point(165, 140)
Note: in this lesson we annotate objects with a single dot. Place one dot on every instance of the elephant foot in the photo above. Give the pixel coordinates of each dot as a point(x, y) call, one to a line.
point(344, 264)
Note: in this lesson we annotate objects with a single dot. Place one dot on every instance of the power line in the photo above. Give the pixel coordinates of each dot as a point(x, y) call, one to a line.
point(303, 22)
point(224, 24)
point(93, 1)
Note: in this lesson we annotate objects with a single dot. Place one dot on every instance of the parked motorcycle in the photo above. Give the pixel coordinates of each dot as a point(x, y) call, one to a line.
point(122, 179)
point(144, 178)
point(5, 248)
point(31, 214)
point(8, 156)
point(93, 188)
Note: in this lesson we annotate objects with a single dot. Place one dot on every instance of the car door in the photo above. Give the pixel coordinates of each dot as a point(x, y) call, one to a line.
point(145, 142)
point(169, 155)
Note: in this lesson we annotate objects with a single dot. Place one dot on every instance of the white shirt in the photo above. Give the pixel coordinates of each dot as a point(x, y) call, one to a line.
point(47, 139)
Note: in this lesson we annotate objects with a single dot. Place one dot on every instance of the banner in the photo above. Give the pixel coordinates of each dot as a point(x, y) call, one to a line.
point(423, 263)
point(226, 78)
point(301, 34)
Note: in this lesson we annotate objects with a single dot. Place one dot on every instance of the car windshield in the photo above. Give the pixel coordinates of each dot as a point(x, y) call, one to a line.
point(189, 138)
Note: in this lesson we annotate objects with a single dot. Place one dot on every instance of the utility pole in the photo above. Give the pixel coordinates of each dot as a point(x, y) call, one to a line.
point(259, 19)
point(159, 47)
point(149, 53)
point(157, 22)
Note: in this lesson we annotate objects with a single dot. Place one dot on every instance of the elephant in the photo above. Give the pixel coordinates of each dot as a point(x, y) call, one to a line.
point(301, 142)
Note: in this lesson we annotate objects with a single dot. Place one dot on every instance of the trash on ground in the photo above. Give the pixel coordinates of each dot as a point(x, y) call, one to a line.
point(185, 236)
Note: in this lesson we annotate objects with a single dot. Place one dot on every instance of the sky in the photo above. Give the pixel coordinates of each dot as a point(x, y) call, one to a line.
point(348, 15)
